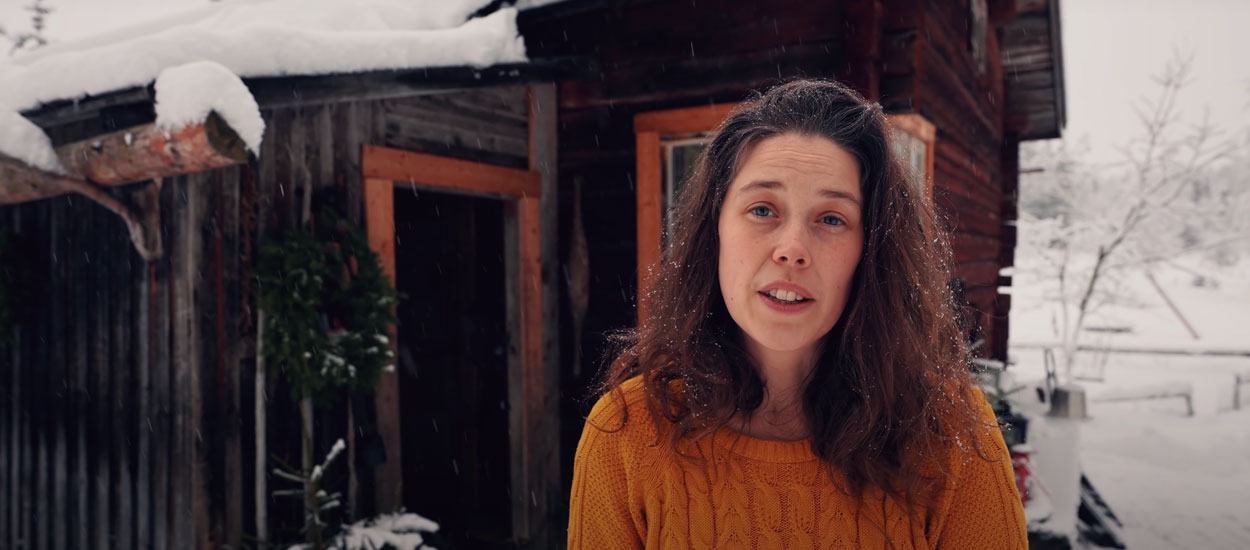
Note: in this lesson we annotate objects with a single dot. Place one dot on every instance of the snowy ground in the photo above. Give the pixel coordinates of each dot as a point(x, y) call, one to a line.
point(1175, 481)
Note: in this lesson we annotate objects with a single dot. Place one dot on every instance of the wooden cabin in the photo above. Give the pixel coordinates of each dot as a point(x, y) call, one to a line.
point(516, 206)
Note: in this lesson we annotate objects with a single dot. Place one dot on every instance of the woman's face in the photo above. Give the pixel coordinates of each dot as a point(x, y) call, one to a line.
point(790, 239)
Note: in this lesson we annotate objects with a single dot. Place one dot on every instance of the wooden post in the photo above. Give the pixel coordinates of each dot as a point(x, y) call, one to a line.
point(649, 188)
point(380, 226)
point(543, 147)
point(525, 374)
point(261, 498)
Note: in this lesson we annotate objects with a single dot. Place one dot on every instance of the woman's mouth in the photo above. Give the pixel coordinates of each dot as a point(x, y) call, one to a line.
point(785, 296)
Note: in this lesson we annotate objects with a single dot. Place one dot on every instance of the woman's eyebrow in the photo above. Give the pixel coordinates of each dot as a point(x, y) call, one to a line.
point(836, 194)
point(770, 185)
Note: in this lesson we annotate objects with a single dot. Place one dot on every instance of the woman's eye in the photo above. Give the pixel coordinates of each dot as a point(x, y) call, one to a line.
point(762, 211)
point(832, 220)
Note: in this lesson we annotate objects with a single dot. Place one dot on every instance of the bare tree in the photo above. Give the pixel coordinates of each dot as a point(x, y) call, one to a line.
point(33, 38)
point(1103, 223)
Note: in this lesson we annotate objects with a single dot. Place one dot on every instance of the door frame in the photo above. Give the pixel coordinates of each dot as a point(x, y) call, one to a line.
point(383, 170)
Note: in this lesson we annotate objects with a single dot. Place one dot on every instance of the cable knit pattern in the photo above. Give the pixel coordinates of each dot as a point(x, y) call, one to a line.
point(759, 494)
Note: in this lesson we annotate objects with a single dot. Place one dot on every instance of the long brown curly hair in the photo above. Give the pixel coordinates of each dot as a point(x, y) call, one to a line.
point(891, 392)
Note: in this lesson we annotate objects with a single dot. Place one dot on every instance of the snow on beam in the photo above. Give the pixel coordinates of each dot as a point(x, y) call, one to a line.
point(134, 155)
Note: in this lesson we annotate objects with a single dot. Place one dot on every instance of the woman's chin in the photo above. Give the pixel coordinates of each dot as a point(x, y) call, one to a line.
point(782, 340)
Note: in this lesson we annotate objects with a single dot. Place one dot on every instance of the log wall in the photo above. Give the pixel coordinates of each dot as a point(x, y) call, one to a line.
point(927, 67)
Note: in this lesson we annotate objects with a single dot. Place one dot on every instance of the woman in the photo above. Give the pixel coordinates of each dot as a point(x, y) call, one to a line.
point(801, 381)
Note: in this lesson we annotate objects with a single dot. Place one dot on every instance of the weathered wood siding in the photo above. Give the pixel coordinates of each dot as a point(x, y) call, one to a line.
point(102, 410)
point(126, 401)
point(928, 68)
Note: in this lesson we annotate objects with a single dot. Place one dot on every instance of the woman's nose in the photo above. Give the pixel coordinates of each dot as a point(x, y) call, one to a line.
point(792, 246)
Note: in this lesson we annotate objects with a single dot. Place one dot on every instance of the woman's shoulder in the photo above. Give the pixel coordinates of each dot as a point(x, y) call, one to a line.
point(620, 408)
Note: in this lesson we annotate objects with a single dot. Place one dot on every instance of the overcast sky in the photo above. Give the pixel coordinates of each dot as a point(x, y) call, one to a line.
point(1111, 49)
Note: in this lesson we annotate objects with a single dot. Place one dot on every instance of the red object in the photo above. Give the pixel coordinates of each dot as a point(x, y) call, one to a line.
point(1020, 463)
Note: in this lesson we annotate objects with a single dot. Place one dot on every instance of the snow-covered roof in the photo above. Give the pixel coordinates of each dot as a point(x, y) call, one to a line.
point(254, 38)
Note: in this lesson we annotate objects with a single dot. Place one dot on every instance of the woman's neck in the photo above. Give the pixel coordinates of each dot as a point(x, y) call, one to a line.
point(785, 375)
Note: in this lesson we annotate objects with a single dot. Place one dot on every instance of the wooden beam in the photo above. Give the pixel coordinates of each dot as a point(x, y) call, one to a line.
point(650, 218)
point(448, 174)
point(147, 152)
point(380, 227)
point(863, 20)
point(23, 183)
point(687, 120)
point(129, 156)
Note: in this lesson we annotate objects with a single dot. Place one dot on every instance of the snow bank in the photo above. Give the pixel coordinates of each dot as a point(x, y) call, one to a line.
point(1175, 481)
point(22, 140)
point(268, 38)
point(402, 531)
point(187, 93)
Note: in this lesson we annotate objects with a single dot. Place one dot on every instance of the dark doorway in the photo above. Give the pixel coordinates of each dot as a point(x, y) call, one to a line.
point(453, 382)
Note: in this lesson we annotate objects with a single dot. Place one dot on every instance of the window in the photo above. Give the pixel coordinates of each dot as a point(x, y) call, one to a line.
point(912, 138)
point(680, 156)
point(668, 143)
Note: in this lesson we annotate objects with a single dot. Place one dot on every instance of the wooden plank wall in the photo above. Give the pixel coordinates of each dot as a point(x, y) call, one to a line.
point(927, 68)
point(126, 401)
point(99, 439)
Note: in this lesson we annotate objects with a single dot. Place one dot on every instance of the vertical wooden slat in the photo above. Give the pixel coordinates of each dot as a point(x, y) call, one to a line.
point(358, 129)
point(518, 438)
point(380, 226)
point(650, 179)
point(277, 171)
point(79, 319)
point(8, 367)
point(142, 329)
point(266, 183)
point(160, 334)
point(543, 148)
point(179, 500)
point(257, 202)
point(50, 393)
point(54, 409)
point(533, 400)
point(523, 268)
point(230, 335)
point(96, 254)
point(187, 500)
point(209, 304)
point(345, 165)
point(121, 389)
point(21, 509)
point(22, 500)
point(298, 171)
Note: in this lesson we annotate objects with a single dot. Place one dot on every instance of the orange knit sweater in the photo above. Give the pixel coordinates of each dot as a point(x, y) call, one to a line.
point(760, 494)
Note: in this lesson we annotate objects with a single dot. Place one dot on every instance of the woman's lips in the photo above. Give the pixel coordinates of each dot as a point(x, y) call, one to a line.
point(783, 307)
